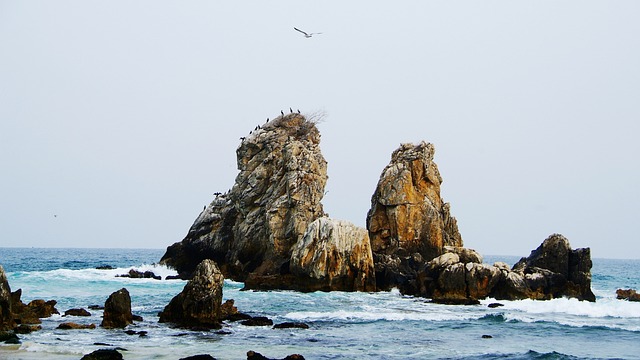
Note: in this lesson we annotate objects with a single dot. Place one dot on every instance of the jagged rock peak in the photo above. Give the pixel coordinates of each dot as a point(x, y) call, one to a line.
point(277, 193)
point(407, 213)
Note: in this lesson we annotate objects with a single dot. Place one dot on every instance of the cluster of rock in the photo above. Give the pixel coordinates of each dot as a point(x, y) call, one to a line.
point(270, 231)
point(460, 277)
point(18, 316)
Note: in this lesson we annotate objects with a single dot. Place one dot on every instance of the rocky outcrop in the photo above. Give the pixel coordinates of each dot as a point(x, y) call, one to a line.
point(103, 354)
point(333, 255)
point(408, 222)
point(200, 302)
point(77, 312)
point(545, 274)
point(135, 274)
point(252, 355)
point(117, 310)
point(252, 228)
point(75, 326)
point(6, 315)
point(555, 270)
point(627, 294)
point(32, 312)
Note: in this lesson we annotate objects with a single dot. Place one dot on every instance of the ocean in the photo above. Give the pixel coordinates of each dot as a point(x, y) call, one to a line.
point(383, 325)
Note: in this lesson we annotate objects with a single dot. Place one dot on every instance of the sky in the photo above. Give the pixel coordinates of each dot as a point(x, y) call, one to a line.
point(120, 119)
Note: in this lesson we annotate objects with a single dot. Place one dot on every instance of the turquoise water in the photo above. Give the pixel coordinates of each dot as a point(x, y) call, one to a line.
point(383, 325)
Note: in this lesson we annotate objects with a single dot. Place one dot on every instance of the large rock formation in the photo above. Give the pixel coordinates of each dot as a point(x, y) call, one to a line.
point(117, 310)
point(408, 222)
point(551, 271)
point(555, 270)
point(252, 228)
point(200, 302)
point(6, 316)
point(335, 255)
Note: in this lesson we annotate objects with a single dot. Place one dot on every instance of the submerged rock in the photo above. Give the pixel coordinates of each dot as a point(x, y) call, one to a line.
point(6, 314)
point(252, 355)
point(447, 279)
point(117, 310)
point(75, 326)
point(77, 312)
point(627, 294)
point(135, 274)
point(252, 228)
point(200, 302)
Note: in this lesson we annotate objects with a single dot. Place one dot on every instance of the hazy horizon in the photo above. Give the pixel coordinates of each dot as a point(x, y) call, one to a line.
point(119, 120)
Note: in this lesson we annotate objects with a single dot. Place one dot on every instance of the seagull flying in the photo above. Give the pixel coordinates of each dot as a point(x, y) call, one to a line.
point(307, 35)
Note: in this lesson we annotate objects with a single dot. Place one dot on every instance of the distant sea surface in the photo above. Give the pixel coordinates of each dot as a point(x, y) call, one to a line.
point(384, 325)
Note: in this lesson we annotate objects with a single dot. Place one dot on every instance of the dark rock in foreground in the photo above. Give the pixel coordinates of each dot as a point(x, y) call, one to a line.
point(627, 294)
point(117, 310)
point(103, 354)
point(199, 357)
point(252, 355)
point(74, 326)
point(200, 302)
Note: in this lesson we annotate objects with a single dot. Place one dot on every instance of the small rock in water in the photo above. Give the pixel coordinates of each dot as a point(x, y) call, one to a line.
point(252, 355)
point(103, 354)
point(104, 267)
point(487, 336)
point(495, 305)
point(627, 294)
point(9, 338)
point(77, 312)
point(27, 329)
point(257, 321)
point(74, 326)
point(199, 357)
point(96, 307)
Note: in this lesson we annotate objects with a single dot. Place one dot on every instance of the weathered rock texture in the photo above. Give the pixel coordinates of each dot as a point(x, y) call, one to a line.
point(408, 222)
point(551, 271)
point(252, 228)
point(336, 255)
point(200, 302)
point(555, 270)
point(117, 310)
point(6, 316)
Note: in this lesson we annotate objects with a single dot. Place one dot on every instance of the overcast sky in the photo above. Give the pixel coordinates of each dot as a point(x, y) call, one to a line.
point(120, 119)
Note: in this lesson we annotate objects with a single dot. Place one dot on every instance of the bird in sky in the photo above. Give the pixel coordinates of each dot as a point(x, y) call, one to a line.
point(307, 35)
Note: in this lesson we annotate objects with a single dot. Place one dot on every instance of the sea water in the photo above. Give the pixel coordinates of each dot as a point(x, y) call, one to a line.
point(382, 325)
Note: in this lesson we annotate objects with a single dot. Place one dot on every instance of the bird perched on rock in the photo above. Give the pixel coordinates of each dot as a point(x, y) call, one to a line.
point(307, 35)
point(291, 110)
point(282, 112)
